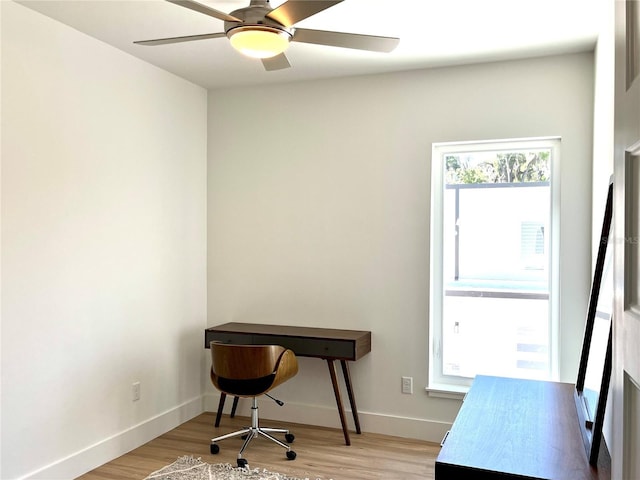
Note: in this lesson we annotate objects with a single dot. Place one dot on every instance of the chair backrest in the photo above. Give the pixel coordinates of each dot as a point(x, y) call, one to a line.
point(250, 370)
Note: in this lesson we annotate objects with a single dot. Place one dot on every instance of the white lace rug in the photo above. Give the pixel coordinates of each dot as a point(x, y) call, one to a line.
point(189, 468)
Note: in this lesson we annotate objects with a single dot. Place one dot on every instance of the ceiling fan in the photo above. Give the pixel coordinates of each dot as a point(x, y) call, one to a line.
point(263, 32)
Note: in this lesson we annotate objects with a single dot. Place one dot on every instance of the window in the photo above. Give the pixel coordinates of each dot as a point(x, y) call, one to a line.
point(492, 260)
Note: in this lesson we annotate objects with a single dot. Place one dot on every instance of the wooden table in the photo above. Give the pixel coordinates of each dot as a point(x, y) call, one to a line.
point(326, 343)
point(515, 429)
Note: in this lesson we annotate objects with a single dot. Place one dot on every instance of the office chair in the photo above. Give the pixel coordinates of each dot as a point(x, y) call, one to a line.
point(250, 371)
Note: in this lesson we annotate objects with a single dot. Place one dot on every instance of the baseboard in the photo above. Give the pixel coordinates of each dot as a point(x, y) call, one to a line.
point(406, 427)
point(110, 448)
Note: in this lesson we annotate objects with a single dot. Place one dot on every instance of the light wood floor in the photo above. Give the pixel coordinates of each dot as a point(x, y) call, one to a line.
point(321, 453)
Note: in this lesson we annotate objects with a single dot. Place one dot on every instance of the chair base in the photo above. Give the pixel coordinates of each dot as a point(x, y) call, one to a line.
point(254, 431)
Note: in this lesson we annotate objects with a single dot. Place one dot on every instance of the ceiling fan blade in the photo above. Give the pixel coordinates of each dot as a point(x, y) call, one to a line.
point(212, 12)
point(293, 11)
point(188, 38)
point(279, 62)
point(346, 40)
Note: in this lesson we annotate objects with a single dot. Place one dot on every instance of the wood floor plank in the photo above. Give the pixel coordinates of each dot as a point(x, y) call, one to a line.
point(321, 453)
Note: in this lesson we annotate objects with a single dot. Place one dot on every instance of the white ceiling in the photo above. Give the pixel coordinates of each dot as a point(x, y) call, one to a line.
point(432, 33)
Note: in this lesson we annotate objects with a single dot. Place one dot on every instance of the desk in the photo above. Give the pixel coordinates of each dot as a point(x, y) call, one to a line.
point(517, 429)
point(326, 343)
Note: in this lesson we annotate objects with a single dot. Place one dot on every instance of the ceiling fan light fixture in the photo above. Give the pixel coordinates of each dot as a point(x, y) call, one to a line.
point(259, 41)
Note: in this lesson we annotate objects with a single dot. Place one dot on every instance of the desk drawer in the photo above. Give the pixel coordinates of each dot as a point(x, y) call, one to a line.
point(322, 348)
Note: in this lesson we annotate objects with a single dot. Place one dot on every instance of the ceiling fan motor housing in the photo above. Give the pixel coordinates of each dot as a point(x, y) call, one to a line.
point(255, 15)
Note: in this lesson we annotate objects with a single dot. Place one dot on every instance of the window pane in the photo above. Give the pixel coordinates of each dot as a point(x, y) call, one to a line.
point(495, 305)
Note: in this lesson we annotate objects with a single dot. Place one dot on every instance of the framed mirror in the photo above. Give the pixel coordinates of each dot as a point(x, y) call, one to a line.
point(594, 372)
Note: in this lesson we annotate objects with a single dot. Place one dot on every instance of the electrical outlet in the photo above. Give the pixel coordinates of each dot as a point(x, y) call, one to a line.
point(407, 385)
point(135, 391)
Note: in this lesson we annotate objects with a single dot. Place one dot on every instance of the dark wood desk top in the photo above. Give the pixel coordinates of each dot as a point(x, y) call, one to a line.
point(331, 343)
point(516, 429)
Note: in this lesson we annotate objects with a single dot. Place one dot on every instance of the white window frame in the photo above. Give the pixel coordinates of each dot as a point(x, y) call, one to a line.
point(451, 386)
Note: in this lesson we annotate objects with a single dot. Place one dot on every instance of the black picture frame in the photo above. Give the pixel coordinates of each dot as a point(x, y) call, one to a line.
point(594, 372)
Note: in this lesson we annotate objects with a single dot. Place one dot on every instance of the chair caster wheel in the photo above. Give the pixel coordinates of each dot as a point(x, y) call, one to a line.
point(215, 448)
point(291, 455)
point(242, 463)
point(289, 437)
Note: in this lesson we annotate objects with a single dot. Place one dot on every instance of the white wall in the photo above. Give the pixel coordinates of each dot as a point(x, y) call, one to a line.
point(603, 118)
point(103, 248)
point(319, 214)
point(603, 145)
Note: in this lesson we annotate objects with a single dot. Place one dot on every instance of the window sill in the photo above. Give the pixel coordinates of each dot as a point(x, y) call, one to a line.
point(443, 390)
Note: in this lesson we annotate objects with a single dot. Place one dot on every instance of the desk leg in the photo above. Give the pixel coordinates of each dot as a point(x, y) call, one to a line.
point(336, 391)
point(223, 396)
point(352, 398)
point(234, 406)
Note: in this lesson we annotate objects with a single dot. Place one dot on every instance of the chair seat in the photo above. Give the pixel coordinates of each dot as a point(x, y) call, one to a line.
point(246, 387)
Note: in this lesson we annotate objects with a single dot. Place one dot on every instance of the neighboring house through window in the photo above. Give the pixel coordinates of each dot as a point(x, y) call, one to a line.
point(493, 258)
